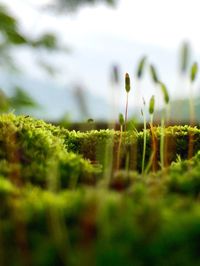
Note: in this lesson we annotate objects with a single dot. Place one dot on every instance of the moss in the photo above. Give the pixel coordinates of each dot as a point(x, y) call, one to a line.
point(104, 227)
point(133, 219)
point(94, 144)
point(31, 149)
point(6, 188)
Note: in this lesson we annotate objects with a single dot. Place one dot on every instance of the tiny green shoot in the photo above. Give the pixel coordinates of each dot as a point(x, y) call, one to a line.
point(185, 57)
point(193, 72)
point(121, 123)
point(154, 74)
point(115, 83)
point(165, 92)
point(151, 107)
point(141, 65)
point(115, 74)
point(144, 135)
point(193, 76)
point(127, 88)
point(166, 101)
point(152, 160)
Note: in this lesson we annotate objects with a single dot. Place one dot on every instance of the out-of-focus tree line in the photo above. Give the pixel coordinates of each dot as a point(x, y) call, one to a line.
point(12, 36)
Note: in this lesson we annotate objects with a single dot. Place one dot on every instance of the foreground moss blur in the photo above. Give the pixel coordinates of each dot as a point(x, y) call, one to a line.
point(58, 208)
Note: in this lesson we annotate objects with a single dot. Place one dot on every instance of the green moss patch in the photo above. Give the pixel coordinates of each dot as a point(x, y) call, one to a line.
point(99, 227)
point(50, 216)
point(95, 145)
point(32, 151)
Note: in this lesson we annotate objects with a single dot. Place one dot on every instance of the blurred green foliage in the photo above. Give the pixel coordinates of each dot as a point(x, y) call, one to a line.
point(19, 101)
point(9, 29)
point(13, 37)
point(71, 5)
point(136, 219)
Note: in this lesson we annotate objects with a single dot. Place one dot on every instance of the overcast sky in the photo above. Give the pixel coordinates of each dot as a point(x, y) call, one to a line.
point(157, 22)
point(101, 36)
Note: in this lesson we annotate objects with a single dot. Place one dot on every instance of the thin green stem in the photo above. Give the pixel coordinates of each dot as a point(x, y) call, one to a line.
point(119, 148)
point(162, 142)
point(108, 160)
point(126, 112)
point(127, 162)
point(144, 141)
point(192, 121)
point(191, 104)
point(168, 114)
point(151, 120)
point(153, 152)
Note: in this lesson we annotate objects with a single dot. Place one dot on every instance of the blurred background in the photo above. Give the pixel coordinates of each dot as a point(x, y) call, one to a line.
point(65, 60)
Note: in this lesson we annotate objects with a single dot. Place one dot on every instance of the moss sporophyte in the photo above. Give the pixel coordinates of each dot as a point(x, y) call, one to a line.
point(193, 77)
point(154, 74)
point(153, 159)
point(127, 88)
point(163, 144)
point(121, 122)
point(143, 112)
point(141, 66)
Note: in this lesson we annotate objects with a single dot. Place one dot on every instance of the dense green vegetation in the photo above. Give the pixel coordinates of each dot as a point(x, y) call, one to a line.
point(30, 150)
point(59, 208)
point(95, 144)
point(103, 197)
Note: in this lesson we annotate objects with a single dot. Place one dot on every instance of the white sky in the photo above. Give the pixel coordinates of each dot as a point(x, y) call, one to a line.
point(101, 36)
point(159, 22)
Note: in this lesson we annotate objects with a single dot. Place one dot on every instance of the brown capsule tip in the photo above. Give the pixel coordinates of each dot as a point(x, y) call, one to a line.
point(127, 82)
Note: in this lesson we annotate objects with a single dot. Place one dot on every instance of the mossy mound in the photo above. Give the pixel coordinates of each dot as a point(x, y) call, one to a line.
point(98, 145)
point(98, 227)
point(32, 151)
point(124, 219)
